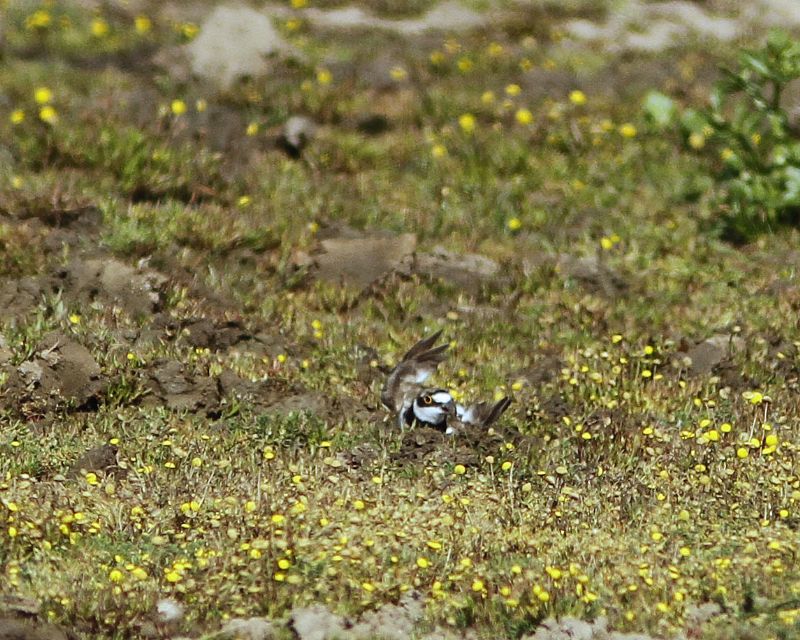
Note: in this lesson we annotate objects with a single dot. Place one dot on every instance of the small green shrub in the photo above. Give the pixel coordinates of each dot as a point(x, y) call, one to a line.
point(749, 137)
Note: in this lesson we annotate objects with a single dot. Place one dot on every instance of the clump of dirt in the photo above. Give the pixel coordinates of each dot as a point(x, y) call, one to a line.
point(569, 628)
point(704, 357)
point(358, 261)
point(259, 394)
point(19, 296)
point(212, 58)
point(421, 443)
point(18, 621)
point(14, 605)
point(309, 401)
point(17, 629)
point(90, 276)
point(204, 333)
point(346, 256)
point(552, 407)
point(470, 272)
point(247, 629)
point(60, 372)
point(470, 446)
point(136, 290)
point(172, 385)
point(222, 335)
point(594, 275)
point(53, 221)
point(389, 621)
point(360, 456)
point(317, 623)
point(100, 458)
point(541, 371)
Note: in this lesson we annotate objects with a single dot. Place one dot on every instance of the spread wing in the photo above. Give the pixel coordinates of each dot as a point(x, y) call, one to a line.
point(407, 378)
point(482, 414)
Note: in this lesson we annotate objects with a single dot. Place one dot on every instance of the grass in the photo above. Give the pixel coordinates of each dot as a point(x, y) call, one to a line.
point(618, 483)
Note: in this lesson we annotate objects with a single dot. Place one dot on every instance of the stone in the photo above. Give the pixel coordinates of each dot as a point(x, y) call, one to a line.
point(233, 43)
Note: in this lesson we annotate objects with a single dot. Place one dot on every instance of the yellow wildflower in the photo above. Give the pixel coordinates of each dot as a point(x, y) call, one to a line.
point(577, 97)
point(324, 77)
point(524, 116)
point(467, 122)
point(142, 24)
point(48, 114)
point(99, 28)
point(178, 107)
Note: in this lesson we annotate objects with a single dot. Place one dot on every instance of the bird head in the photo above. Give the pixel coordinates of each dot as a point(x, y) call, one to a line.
point(433, 407)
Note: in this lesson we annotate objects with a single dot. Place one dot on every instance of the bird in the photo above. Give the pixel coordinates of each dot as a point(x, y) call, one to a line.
point(404, 393)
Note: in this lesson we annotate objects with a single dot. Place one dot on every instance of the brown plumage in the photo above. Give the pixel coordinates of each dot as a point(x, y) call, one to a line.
point(405, 382)
point(405, 393)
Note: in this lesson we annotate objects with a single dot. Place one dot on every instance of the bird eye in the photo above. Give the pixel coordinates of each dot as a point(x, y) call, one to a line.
point(427, 399)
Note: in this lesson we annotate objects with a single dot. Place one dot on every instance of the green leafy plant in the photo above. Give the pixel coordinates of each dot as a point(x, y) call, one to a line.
point(753, 143)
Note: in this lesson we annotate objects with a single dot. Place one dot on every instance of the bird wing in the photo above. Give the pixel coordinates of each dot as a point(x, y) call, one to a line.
point(482, 414)
point(418, 364)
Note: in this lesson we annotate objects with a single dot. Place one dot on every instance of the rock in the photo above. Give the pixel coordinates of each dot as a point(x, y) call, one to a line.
point(470, 271)
point(569, 629)
point(311, 402)
point(19, 605)
point(361, 261)
point(68, 367)
point(574, 629)
point(317, 623)
point(445, 16)
point(440, 633)
point(377, 72)
point(247, 629)
point(223, 129)
point(15, 629)
point(360, 456)
point(654, 27)
point(390, 621)
point(784, 14)
point(19, 296)
point(135, 290)
point(169, 610)
point(593, 274)
point(258, 394)
point(59, 370)
point(705, 356)
point(205, 333)
point(233, 43)
point(100, 458)
point(173, 387)
point(697, 614)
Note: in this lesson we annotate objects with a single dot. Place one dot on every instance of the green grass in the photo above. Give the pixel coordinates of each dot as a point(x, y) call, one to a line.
point(617, 484)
